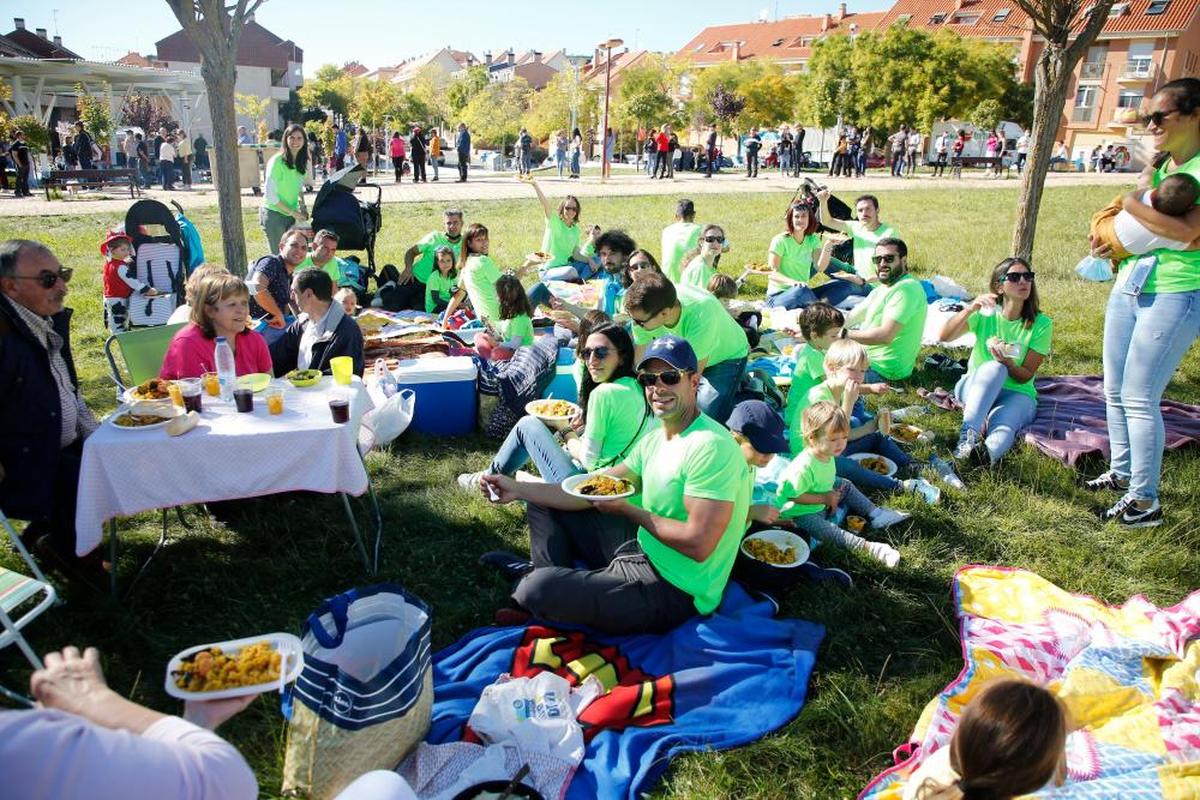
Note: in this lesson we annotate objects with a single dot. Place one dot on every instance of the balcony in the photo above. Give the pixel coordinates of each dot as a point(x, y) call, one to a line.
point(1136, 72)
point(1082, 113)
point(1124, 118)
point(1091, 72)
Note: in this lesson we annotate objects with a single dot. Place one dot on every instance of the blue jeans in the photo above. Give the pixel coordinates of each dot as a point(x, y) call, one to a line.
point(560, 160)
point(837, 291)
point(529, 440)
point(575, 163)
point(794, 297)
point(985, 400)
point(719, 386)
point(166, 172)
point(1145, 338)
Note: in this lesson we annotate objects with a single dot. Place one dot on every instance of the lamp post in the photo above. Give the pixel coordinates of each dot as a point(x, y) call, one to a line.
point(608, 47)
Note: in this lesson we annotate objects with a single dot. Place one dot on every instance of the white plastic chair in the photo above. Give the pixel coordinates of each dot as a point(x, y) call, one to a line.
point(16, 591)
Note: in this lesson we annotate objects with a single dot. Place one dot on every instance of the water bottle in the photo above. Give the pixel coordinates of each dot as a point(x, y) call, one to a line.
point(946, 473)
point(908, 411)
point(226, 370)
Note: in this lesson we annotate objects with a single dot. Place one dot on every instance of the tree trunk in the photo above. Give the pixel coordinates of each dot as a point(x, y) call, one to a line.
point(219, 80)
point(1052, 80)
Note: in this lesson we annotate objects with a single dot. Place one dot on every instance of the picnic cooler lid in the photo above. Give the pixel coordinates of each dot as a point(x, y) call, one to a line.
point(451, 369)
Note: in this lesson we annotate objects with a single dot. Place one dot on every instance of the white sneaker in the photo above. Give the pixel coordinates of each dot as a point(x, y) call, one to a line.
point(885, 517)
point(928, 492)
point(469, 482)
point(889, 555)
point(524, 476)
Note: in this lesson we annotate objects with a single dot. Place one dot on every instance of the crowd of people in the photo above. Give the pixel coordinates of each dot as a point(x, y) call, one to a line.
point(662, 355)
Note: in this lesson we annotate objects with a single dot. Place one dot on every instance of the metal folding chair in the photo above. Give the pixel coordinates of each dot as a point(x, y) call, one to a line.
point(17, 591)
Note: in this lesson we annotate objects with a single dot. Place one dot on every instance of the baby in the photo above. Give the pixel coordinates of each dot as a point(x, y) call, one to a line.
point(1125, 235)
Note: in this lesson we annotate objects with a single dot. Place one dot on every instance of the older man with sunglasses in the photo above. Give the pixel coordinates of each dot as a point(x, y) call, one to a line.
point(43, 419)
point(891, 321)
point(662, 556)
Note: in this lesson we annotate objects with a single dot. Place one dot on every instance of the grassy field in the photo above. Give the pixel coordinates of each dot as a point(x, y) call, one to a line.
point(891, 642)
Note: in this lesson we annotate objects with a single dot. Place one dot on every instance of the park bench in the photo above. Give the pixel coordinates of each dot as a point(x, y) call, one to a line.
point(89, 178)
point(993, 163)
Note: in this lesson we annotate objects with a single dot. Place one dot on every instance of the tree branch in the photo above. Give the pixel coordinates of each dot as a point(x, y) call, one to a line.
point(1090, 31)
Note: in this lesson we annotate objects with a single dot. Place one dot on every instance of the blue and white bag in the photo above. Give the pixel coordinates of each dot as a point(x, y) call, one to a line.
point(365, 693)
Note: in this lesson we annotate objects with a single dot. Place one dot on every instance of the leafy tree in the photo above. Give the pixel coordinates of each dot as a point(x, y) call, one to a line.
point(550, 109)
point(374, 101)
point(645, 95)
point(821, 91)
point(726, 107)
point(465, 87)
point(146, 113)
point(294, 110)
point(253, 107)
point(37, 136)
point(1067, 29)
point(329, 88)
point(494, 115)
point(770, 96)
point(324, 131)
point(428, 88)
point(986, 115)
point(94, 111)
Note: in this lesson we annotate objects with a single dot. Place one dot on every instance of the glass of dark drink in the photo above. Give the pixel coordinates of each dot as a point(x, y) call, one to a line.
point(339, 406)
point(192, 390)
point(243, 397)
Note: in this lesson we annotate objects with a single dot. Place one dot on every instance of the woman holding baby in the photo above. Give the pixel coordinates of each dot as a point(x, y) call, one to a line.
point(1153, 313)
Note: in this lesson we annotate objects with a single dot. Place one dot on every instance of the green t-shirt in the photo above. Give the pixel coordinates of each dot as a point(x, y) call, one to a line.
point(864, 246)
point(697, 273)
point(903, 301)
point(423, 266)
point(439, 289)
point(795, 258)
point(807, 474)
point(815, 394)
point(809, 371)
point(519, 327)
point(677, 239)
point(707, 326)
point(1036, 338)
point(617, 418)
point(283, 185)
point(479, 278)
point(1176, 270)
point(703, 462)
point(560, 241)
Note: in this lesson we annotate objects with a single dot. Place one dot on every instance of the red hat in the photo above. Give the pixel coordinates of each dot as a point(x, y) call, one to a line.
point(113, 236)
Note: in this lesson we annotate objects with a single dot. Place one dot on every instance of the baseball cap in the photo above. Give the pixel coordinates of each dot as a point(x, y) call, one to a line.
point(673, 350)
point(759, 423)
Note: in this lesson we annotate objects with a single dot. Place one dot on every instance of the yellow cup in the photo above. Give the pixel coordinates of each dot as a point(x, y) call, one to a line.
point(342, 368)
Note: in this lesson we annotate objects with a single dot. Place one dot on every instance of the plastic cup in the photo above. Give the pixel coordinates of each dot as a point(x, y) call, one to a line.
point(212, 384)
point(274, 397)
point(191, 393)
point(343, 369)
point(243, 398)
point(175, 393)
point(339, 406)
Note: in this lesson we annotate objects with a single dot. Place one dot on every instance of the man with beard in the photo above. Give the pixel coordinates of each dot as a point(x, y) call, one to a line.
point(891, 320)
point(613, 249)
point(653, 563)
point(409, 289)
point(866, 232)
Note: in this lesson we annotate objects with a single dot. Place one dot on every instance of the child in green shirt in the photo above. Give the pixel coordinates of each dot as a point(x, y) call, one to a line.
point(810, 491)
point(442, 283)
point(514, 328)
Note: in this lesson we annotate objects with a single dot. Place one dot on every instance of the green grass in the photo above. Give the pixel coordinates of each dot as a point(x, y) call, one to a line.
point(891, 643)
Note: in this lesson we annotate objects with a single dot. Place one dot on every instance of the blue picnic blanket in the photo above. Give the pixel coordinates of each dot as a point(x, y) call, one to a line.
point(712, 683)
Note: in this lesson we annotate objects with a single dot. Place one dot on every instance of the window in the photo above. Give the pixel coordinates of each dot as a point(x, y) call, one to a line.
point(903, 19)
point(1085, 97)
point(937, 19)
point(1000, 15)
point(1129, 98)
point(699, 47)
point(964, 19)
point(776, 43)
point(1118, 9)
point(1157, 7)
point(1141, 55)
point(806, 41)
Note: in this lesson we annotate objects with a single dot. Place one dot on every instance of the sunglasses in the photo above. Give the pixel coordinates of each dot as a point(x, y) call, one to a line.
point(890, 258)
point(1156, 118)
point(641, 323)
point(1016, 277)
point(715, 239)
point(600, 352)
point(46, 279)
point(669, 377)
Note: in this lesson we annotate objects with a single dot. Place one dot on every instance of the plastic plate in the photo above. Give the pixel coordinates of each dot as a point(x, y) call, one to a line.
point(779, 539)
point(255, 381)
point(555, 421)
point(167, 411)
point(288, 646)
point(303, 383)
point(891, 465)
point(570, 483)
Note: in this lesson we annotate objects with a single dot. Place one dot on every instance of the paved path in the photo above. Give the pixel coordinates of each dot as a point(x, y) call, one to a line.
point(492, 186)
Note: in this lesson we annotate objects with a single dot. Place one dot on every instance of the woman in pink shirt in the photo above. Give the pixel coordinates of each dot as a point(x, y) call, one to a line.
point(221, 308)
point(396, 149)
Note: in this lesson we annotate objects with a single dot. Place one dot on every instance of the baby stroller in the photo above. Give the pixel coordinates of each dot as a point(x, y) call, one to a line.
point(161, 259)
point(355, 222)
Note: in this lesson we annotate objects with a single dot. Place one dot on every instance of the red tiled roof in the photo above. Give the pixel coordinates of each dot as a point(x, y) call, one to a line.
point(992, 22)
point(783, 39)
point(620, 62)
point(354, 69)
point(41, 48)
point(132, 59)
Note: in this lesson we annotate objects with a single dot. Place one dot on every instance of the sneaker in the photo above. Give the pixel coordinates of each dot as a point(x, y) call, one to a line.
point(1110, 481)
point(884, 552)
point(819, 574)
point(928, 492)
point(1135, 517)
point(470, 482)
point(969, 446)
point(885, 518)
point(511, 565)
point(1118, 509)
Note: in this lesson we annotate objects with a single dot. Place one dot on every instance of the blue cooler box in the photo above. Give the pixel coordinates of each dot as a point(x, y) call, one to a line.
point(447, 404)
point(563, 387)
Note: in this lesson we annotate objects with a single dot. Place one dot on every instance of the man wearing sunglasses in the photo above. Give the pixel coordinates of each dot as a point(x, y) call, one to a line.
point(43, 419)
point(655, 562)
point(891, 320)
point(658, 307)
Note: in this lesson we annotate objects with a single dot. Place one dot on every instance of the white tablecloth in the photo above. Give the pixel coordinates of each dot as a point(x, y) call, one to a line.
point(227, 456)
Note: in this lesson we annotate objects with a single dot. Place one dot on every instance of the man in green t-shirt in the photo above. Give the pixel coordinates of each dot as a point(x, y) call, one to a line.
point(664, 555)
point(865, 233)
point(678, 238)
point(891, 321)
point(321, 255)
point(418, 262)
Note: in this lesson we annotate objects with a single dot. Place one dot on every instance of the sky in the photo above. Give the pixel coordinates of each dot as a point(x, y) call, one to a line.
point(379, 33)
